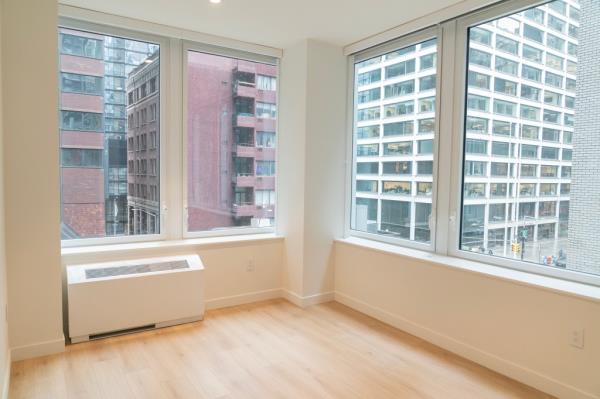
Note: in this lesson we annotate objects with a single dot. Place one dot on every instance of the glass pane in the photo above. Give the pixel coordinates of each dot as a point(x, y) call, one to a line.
point(396, 200)
point(109, 147)
point(231, 142)
point(537, 207)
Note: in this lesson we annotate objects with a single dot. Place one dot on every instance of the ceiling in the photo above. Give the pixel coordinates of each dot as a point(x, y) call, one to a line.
point(276, 23)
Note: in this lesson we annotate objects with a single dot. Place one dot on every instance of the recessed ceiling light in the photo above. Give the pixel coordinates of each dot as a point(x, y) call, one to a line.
point(215, 1)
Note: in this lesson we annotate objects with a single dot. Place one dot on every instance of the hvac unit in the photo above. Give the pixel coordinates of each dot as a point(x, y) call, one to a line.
point(119, 297)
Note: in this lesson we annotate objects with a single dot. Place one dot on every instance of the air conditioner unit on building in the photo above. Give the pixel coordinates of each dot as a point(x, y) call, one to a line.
point(119, 297)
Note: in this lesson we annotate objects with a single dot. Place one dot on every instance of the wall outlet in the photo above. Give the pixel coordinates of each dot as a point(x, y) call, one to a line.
point(576, 339)
point(250, 266)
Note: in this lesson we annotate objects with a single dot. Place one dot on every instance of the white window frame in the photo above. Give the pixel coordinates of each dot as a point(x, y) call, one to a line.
point(448, 176)
point(172, 151)
point(165, 79)
point(231, 53)
point(405, 41)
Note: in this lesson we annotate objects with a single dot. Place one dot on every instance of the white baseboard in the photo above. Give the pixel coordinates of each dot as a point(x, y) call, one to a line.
point(491, 361)
point(6, 381)
point(38, 349)
point(305, 301)
point(241, 299)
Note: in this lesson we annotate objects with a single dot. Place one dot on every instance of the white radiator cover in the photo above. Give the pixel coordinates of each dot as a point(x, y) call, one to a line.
point(101, 299)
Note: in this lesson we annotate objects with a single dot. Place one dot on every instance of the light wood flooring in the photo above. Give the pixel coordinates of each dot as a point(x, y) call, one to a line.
point(265, 350)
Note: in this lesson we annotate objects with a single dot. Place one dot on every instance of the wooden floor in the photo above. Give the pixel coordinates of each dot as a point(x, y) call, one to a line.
point(265, 350)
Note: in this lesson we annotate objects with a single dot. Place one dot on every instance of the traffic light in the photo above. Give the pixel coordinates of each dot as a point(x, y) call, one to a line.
point(516, 247)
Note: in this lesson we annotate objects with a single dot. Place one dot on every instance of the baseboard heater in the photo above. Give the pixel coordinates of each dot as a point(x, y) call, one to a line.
point(115, 298)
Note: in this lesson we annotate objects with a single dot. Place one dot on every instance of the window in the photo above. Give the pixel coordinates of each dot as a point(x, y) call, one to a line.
point(477, 125)
point(428, 61)
point(481, 35)
point(398, 109)
point(531, 53)
point(505, 86)
point(400, 69)
point(502, 128)
point(266, 110)
point(367, 168)
point(399, 89)
point(552, 98)
point(81, 158)
point(99, 168)
point(531, 33)
point(401, 148)
point(385, 216)
point(554, 80)
point(506, 66)
point(427, 83)
point(480, 80)
point(507, 45)
point(398, 128)
point(474, 146)
point(505, 108)
point(475, 168)
point(480, 58)
point(366, 78)
point(369, 95)
point(83, 84)
point(397, 168)
point(368, 114)
point(265, 139)
point(530, 132)
point(265, 82)
point(477, 103)
point(81, 45)
point(512, 180)
point(366, 186)
point(217, 173)
point(531, 73)
point(396, 187)
point(367, 132)
point(550, 134)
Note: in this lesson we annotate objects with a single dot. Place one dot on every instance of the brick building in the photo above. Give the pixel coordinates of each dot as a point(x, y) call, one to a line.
point(143, 102)
point(231, 142)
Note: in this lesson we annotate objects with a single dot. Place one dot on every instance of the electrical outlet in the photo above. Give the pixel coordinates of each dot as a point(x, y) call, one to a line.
point(250, 266)
point(576, 338)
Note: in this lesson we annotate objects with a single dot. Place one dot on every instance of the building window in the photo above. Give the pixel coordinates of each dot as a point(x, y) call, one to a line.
point(232, 187)
point(100, 194)
point(407, 219)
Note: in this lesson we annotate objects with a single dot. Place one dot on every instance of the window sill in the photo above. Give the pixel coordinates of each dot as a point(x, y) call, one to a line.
point(77, 254)
point(560, 286)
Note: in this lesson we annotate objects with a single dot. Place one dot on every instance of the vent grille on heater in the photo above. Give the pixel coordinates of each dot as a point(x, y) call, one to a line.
point(134, 269)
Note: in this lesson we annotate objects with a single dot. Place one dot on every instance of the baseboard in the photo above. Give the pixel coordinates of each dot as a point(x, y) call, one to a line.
point(38, 349)
point(6, 382)
point(241, 299)
point(305, 301)
point(491, 361)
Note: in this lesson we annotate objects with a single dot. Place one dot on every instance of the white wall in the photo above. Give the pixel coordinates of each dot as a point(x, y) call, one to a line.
point(31, 180)
point(519, 330)
point(311, 171)
point(4, 350)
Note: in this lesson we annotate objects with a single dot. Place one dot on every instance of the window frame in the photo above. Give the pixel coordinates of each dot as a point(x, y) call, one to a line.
point(351, 145)
point(454, 215)
point(231, 53)
point(451, 106)
point(165, 81)
point(173, 42)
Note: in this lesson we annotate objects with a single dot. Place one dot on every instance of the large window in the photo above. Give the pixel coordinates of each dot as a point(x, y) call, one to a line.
point(408, 126)
point(528, 144)
point(109, 180)
point(529, 232)
point(232, 100)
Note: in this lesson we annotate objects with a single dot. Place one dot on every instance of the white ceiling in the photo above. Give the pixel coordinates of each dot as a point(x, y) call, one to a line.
point(276, 23)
